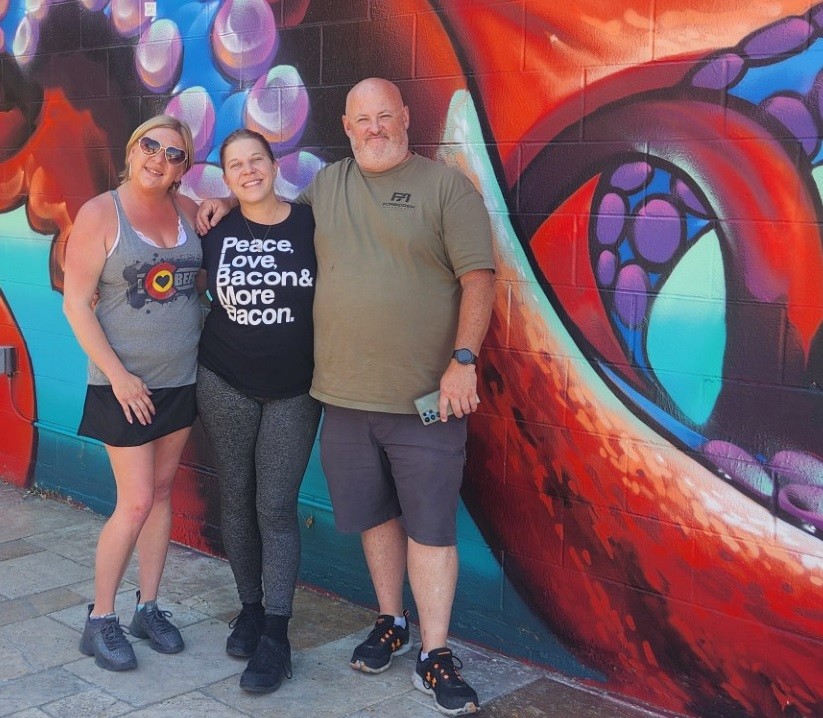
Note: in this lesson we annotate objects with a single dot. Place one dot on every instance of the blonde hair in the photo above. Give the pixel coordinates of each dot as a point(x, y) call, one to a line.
point(172, 123)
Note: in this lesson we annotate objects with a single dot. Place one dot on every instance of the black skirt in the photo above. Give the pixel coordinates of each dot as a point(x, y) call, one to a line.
point(103, 418)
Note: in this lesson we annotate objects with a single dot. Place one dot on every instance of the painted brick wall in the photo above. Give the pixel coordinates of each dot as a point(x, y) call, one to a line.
point(644, 488)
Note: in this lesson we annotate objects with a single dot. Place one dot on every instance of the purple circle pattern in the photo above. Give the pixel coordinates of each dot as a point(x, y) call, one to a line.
point(657, 230)
point(606, 268)
point(610, 218)
point(631, 295)
point(631, 176)
point(244, 38)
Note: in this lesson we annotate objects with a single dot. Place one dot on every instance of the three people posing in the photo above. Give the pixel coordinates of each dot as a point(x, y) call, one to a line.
point(405, 284)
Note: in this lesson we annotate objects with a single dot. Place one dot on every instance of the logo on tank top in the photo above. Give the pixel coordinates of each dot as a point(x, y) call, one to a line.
point(401, 201)
point(162, 282)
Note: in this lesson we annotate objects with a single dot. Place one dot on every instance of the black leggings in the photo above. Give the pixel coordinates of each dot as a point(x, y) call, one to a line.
point(261, 448)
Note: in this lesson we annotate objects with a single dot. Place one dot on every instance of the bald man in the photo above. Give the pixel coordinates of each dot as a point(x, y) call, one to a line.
point(405, 286)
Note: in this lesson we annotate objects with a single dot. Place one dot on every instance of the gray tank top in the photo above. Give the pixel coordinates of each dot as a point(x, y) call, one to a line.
point(149, 308)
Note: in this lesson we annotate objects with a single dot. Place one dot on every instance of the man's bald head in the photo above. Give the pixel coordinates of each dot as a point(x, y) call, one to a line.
point(376, 123)
point(374, 87)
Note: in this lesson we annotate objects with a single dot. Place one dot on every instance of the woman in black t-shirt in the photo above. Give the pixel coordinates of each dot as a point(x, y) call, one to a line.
point(254, 375)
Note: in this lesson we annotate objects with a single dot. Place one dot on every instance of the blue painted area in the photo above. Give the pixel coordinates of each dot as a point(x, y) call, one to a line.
point(659, 185)
point(795, 73)
point(648, 408)
point(9, 24)
point(695, 226)
point(686, 336)
point(625, 253)
point(229, 118)
point(199, 69)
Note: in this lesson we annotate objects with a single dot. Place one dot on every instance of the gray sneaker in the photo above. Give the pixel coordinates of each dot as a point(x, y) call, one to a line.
point(104, 639)
point(152, 623)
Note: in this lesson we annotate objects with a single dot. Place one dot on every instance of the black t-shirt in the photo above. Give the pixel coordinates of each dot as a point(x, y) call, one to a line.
point(258, 335)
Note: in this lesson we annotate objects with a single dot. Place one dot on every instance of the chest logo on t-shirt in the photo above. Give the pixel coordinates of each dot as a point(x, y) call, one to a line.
point(160, 282)
point(400, 200)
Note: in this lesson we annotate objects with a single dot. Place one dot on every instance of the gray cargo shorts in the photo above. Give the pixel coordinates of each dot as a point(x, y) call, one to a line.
point(383, 466)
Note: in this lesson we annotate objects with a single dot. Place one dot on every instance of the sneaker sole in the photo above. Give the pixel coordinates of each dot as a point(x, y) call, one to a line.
point(470, 707)
point(107, 666)
point(142, 635)
point(252, 688)
point(359, 665)
point(165, 651)
point(236, 652)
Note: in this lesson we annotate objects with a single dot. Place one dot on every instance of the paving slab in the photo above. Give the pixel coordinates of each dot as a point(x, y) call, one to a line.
point(36, 516)
point(546, 698)
point(77, 542)
point(92, 702)
point(19, 609)
point(56, 644)
point(159, 677)
point(189, 705)
point(17, 548)
point(187, 573)
point(38, 688)
point(38, 572)
point(46, 580)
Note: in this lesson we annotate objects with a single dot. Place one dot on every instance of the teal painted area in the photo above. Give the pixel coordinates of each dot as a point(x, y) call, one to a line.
point(58, 362)
point(686, 338)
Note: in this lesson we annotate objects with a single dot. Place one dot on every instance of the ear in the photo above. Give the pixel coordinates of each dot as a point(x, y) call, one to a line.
point(406, 116)
point(346, 126)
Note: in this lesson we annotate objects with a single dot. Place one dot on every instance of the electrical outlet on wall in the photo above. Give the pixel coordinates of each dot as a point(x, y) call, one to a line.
point(8, 360)
point(150, 9)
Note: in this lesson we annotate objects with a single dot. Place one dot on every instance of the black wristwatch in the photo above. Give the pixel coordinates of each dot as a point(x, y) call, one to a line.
point(464, 356)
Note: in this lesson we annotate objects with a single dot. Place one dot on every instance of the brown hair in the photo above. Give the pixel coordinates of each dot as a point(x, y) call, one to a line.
point(244, 134)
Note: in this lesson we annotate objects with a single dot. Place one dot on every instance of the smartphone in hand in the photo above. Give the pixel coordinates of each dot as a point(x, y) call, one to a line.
point(428, 407)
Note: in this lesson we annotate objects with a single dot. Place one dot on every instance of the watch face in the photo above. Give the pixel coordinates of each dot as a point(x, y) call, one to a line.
point(464, 356)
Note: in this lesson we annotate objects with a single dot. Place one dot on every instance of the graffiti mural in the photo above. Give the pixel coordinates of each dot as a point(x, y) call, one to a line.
point(645, 477)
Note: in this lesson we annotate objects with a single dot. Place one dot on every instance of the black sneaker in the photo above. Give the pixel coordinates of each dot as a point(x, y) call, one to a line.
point(152, 623)
point(248, 626)
point(383, 643)
point(270, 663)
point(104, 639)
point(438, 676)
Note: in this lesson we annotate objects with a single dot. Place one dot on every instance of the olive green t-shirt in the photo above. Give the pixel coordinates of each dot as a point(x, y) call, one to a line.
point(390, 248)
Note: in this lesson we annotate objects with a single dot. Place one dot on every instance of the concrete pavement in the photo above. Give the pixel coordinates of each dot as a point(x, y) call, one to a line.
point(46, 580)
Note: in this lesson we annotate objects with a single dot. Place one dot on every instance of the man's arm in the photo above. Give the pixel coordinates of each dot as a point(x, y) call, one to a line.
point(458, 385)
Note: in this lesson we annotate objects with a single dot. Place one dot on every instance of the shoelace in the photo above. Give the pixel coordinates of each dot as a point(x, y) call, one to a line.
point(380, 633)
point(267, 653)
point(447, 666)
point(113, 635)
point(243, 615)
point(158, 621)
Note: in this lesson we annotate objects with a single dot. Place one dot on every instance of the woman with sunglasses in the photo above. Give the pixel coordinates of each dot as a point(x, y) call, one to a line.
point(131, 299)
point(256, 363)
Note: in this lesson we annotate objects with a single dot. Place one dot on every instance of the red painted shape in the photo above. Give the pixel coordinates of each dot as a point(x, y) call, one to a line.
point(17, 407)
point(563, 241)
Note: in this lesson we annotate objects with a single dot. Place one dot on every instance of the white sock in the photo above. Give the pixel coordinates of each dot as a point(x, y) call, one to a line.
point(105, 615)
point(400, 621)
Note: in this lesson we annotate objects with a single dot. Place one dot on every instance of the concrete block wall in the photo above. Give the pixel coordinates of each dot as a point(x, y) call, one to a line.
point(644, 487)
